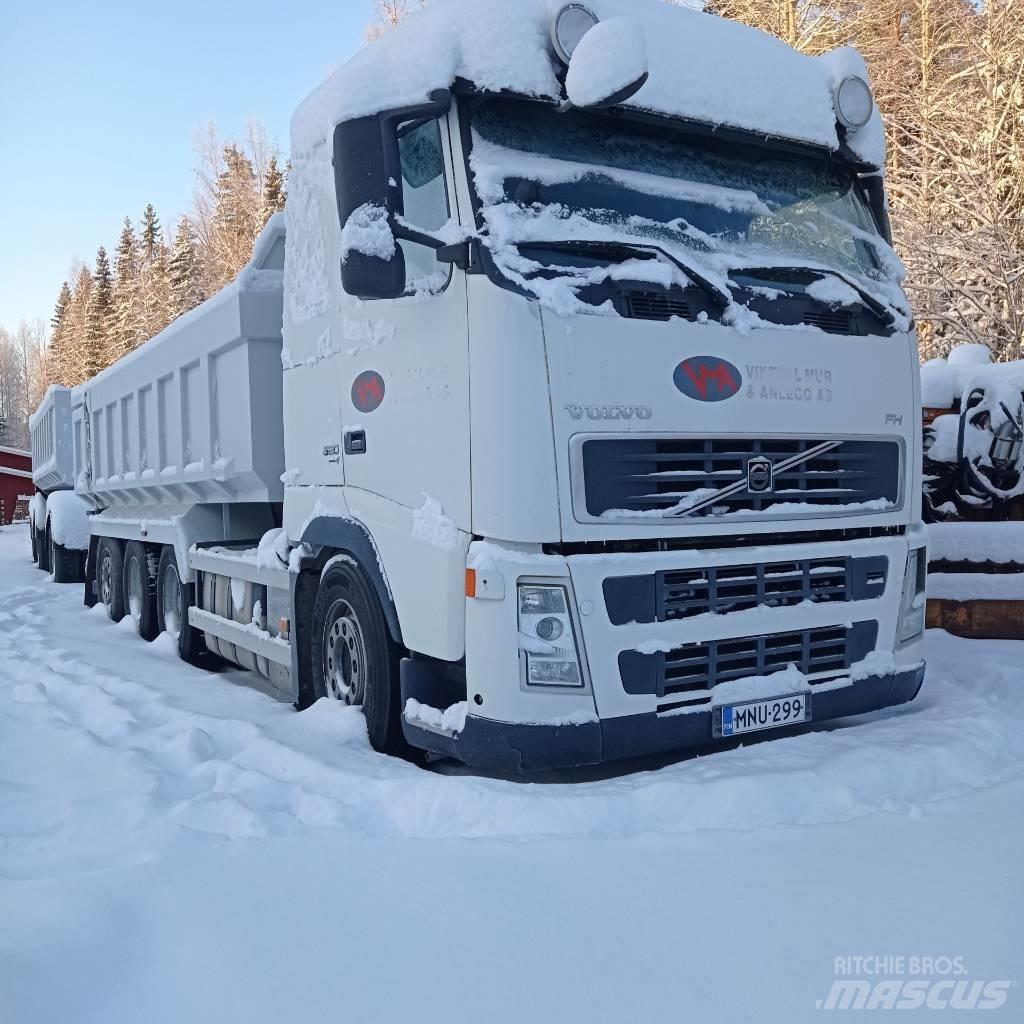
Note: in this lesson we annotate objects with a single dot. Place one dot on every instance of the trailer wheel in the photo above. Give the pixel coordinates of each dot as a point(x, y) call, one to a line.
point(65, 564)
point(110, 577)
point(43, 548)
point(354, 658)
point(173, 600)
point(35, 546)
point(140, 590)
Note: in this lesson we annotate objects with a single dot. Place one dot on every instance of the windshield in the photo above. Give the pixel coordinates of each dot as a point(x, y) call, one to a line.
point(713, 205)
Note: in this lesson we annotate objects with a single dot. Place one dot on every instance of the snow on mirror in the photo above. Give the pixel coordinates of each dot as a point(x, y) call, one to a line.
point(609, 65)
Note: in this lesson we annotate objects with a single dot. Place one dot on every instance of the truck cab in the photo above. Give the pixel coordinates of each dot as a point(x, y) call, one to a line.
point(600, 382)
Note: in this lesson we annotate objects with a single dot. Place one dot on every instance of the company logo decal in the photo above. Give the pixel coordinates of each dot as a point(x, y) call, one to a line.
point(760, 475)
point(707, 378)
point(368, 391)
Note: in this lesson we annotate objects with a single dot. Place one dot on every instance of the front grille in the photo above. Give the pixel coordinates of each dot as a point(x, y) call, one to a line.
point(688, 674)
point(640, 477)
point(724, 589)
point(832, 321)
point(657, 306)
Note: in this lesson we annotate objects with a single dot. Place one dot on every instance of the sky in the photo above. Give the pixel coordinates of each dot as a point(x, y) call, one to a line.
point(101, 103)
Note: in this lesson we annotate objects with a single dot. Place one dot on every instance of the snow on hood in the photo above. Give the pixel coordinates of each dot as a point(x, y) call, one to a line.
point(702, 67)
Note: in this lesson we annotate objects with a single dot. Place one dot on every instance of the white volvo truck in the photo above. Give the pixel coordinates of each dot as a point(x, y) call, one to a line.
point(583, 421)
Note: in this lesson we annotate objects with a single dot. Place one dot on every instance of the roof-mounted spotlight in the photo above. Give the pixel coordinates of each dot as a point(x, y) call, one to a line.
point(568, 27)
point(853, 103)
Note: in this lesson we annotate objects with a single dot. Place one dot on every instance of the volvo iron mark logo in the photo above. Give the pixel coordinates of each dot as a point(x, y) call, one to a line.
point(760, 475)
point(707, 378)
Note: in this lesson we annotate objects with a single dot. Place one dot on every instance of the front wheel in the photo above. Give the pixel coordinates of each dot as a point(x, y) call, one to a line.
point(354, 658)
point(173, 600)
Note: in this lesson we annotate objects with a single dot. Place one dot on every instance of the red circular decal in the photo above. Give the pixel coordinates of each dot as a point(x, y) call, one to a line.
point(368, 391)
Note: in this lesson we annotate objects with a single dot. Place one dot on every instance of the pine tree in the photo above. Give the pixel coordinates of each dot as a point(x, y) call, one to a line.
point(273, 191)
point(236, 217)
point(184, 270)
point(125, 333)
point(152, 234)
point(154, 293)
point(56, 360)
point(73, 356)
point(99, 319)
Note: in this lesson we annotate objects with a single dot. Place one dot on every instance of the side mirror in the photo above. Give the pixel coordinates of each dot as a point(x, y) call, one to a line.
point(367, 174)
point(609, 64)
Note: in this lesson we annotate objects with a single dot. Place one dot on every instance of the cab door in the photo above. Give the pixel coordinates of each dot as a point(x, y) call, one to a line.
point(405, 373)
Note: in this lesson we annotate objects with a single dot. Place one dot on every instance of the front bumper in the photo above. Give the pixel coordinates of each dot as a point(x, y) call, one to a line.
point(504, 747)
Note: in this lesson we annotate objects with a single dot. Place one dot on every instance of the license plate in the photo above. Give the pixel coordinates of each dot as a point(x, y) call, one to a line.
point(736, 719)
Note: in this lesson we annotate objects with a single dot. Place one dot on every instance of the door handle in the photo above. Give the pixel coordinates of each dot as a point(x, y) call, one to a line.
point(355, 442)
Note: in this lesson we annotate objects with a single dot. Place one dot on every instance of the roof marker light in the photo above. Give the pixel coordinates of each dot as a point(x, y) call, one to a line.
point(853, 103)
point(568, 27)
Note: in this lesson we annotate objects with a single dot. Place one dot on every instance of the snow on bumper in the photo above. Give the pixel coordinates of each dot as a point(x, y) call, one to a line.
point(666, 637)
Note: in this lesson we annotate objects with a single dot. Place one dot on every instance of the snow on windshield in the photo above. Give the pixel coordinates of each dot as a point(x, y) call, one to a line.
point(547, 176)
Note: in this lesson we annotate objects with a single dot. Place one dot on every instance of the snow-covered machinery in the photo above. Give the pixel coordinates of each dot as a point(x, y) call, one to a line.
point(57, 519)
point(598, 427)
point(974, 493)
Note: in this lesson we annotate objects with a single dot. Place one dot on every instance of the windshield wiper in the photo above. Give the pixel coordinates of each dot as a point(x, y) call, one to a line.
point(883, 312)
point(634, 250)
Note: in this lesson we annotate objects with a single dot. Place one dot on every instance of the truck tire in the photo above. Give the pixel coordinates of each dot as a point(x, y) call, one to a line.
point(354, 658)
point(66, 564)
point(110, 577)
point(43, 548)
point(35, 543)
point(139, 588)
point(173, 600)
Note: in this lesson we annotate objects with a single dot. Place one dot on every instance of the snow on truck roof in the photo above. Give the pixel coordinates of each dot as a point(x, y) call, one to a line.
point(702, 67)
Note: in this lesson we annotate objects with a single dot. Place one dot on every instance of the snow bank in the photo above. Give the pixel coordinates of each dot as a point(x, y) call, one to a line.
point(944, 381)
point(69, 520)
point(976, 542)
point(701, 67)
point(976, 586)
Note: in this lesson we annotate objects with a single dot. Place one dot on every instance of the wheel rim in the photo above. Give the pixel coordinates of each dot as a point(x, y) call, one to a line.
point(105, 578)
point(134, 588)
point(170, 592)
point(344, 655)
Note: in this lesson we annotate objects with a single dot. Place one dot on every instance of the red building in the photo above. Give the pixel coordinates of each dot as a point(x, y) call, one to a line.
point(15, 480)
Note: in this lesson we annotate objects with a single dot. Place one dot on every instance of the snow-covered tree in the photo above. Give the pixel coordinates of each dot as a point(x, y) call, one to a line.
point(185, 269)
point(272, 197)
point(99, 317)
point(56, 365)
point(126, 331)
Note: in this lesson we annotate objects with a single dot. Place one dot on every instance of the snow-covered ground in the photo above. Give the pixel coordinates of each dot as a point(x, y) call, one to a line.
point(176, 846)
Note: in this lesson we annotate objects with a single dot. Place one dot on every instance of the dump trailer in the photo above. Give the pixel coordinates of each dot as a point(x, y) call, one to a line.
point(583, 421)
point(57, 517)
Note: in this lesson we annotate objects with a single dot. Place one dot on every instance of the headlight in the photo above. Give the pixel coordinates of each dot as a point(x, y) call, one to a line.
point(546, 637)
point(913, 601)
